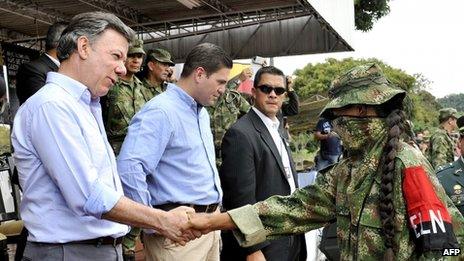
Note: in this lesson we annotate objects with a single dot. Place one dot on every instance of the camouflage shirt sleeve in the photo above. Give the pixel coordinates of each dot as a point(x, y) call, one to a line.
point(306, 209)
point(244, 106)
point(439, 151)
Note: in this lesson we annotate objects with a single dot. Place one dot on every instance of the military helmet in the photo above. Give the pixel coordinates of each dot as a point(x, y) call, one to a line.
point(136, 46)
point(364, 84)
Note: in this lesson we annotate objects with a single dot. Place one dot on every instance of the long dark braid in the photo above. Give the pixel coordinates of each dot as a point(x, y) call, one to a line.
point(396, 124)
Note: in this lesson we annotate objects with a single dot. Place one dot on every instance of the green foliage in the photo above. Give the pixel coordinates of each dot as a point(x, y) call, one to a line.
point(454, 101)
point(316, 79)
point(422, 106)
point(366, 12)
point(425, 110)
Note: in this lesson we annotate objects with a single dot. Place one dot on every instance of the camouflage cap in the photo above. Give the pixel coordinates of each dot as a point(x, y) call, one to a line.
point(136, 46)
point(160, 55)
point(446, 113)
point(364, 84)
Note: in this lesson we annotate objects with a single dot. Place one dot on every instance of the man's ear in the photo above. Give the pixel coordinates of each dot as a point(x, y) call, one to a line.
point(83, 47)
point(199, 74)
point(253, 92)
point(151, 65)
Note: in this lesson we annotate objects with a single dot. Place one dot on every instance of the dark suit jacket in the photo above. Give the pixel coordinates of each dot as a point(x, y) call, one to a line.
point(31, 76)
point(251, 171)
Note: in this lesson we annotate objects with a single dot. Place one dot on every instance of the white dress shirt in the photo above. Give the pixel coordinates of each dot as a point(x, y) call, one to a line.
point(272, 126)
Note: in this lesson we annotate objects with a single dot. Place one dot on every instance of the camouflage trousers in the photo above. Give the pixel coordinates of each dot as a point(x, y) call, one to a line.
point(129, 241)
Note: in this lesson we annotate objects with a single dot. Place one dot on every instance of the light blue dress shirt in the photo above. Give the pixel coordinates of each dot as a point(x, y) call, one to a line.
point(66, 166)
point(168, 153)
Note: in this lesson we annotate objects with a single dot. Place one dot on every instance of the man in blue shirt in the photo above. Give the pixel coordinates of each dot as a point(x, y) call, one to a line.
point(71, 191)
point(331, 148)
point(167, 158)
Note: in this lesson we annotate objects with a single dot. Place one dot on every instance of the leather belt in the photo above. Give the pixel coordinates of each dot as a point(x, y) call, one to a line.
point(99, 241)
point(198, 208)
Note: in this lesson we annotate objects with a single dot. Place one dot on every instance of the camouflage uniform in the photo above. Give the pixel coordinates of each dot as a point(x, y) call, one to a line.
point(150, 90)
point(349, 192)
point(124, 100)
point(451, 176)
point(161, 56)
point(441, 148)
point(223, 114)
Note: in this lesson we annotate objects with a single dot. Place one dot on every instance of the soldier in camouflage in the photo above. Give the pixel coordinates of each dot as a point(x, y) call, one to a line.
point(451, 176)
point(156, 72)
point(229, 107)
point(441, 147)
point(381, 195)
point(123, 101)
point(125, 98)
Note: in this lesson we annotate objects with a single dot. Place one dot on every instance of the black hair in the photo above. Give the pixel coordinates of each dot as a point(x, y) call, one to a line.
point(54, 34)
point(397, 129)
point(460, 122)
point(208, 56)
point(269, 70)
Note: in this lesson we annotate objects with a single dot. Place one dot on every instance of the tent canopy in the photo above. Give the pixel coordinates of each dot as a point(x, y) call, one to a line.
point(244, 28)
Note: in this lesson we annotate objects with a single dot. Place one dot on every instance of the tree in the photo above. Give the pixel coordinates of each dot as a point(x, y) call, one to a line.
point(316, 79)
point(422, 106)
point(366, 12)
point(454, 101)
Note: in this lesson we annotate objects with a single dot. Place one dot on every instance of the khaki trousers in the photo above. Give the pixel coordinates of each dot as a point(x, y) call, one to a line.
point(158, 248)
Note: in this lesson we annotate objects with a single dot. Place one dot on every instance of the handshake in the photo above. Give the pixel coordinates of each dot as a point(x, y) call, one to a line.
point(182, 224)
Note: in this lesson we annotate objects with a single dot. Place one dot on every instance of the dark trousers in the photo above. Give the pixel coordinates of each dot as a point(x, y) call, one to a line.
point(289, 248)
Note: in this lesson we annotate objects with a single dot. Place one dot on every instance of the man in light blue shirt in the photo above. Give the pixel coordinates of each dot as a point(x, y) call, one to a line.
point(167, 158)
point(71, 191)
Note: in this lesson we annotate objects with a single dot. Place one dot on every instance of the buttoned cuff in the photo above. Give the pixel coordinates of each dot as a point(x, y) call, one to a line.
point(250, 229)
point(101, 200)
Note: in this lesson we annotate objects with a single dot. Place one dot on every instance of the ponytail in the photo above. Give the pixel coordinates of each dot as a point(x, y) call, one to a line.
point(396, 124)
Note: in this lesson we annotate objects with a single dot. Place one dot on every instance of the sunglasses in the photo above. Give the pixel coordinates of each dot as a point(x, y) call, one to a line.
point(268, 89)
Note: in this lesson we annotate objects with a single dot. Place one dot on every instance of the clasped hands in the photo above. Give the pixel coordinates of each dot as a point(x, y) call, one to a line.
point(182, 224)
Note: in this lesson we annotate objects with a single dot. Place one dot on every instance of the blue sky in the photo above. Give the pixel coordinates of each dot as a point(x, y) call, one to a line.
point(418, 36)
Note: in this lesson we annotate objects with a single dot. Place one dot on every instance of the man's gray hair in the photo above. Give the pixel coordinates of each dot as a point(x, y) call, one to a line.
point(91, 25)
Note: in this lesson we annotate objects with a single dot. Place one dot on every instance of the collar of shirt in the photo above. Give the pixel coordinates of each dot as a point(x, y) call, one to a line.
point(270, 123)
point(75, 88)
point(185, 97)
point(55, 61)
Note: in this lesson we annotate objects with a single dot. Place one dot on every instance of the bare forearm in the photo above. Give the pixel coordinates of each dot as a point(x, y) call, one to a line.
point(320, 136)
point(220, 221)
point(134, 214)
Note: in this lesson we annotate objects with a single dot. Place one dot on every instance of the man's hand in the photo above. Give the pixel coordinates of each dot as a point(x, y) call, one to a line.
point(200, 222)
point(256, 256)
point(175, 225)
point(247, 73)
point(290, 83)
